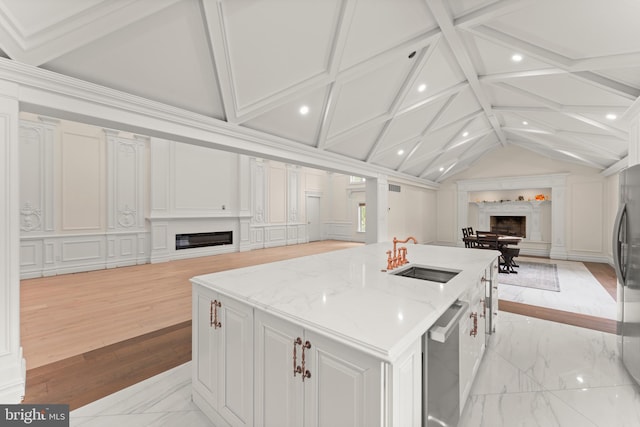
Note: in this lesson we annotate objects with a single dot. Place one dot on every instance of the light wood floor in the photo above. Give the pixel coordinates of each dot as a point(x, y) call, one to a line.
point(67, 315)
point(87, 335)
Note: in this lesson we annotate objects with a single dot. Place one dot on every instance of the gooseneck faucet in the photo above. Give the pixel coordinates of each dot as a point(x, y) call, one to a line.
point(399, 254)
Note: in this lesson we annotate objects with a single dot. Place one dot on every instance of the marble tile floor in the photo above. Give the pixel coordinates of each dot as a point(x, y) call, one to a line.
point(580, 292)
point(534, 373)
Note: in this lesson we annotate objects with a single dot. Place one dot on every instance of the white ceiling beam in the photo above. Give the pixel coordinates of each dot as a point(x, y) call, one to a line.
point(441, 14)
point(492, 11)
point(591, 109)
point(359, 70)
point(544, 143)
point(215, 31)
point(616, 167)
point(449, 144)
point(576, 143)
point(558, 107)
point(73, 32)
point(453, 90)
point(575, 68)
point(465, 160)
point(498, 77)
point(426, 130)
point(402, 94)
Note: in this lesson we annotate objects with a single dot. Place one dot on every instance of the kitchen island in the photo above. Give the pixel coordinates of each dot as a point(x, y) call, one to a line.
point(332, 339)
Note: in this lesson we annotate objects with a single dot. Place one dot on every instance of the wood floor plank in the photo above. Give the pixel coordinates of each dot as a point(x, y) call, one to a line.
point(71, 314)
point(566, 317)
point(84, 378)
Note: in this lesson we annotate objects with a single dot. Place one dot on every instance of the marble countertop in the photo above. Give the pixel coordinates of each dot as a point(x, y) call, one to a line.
point(348, 296)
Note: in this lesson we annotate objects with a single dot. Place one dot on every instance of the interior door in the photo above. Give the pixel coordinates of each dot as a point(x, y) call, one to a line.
point(314, 230)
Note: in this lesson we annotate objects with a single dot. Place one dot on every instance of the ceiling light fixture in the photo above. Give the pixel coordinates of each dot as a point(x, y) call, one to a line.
point(304, 110)
point(611, 116)
point(422, 87)
point(441, 169)
point(465, 134)
point(516, 57)
point(400, 152)
point(525, 123)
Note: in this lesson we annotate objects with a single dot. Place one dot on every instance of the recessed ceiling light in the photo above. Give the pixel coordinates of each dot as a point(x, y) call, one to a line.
point(525, 123)
point(422, 87)
point(441, 169)
point(400, 152)
point(611, 116)
point(465, 134)
point(516, 57)
point(304, 110)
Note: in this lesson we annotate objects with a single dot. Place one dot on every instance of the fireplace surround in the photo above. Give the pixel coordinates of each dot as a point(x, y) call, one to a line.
point(533, 245)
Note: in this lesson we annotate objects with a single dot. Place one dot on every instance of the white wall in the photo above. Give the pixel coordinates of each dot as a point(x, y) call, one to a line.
point(590, 199)
point(82, 193)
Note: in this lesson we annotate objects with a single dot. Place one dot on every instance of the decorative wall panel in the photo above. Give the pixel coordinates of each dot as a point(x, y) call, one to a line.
point(126, 171)
point(82, 182)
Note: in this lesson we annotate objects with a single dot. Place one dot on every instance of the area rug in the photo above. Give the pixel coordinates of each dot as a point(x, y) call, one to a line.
point(535, 275)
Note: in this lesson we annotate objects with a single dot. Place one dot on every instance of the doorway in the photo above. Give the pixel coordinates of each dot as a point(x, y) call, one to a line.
point(314, 229)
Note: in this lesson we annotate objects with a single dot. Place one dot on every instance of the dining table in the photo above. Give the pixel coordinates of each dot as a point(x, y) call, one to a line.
point(501, 242)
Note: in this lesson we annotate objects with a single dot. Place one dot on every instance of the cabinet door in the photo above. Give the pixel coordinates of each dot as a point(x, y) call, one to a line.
point(204, 345)
point(344, 389)
point(278, 394)
point(234, 356)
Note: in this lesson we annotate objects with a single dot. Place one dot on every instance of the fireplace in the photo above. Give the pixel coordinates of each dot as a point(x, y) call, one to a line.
point(509, 225)
point(199, 240)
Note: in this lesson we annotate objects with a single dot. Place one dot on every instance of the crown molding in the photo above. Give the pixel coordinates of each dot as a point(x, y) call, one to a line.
point(48, 93)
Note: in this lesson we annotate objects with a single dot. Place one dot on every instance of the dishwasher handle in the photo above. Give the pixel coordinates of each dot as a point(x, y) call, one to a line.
point(441, 333)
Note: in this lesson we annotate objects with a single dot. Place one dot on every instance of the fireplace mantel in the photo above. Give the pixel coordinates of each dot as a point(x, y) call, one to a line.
point(531, 209)
point(557, 183)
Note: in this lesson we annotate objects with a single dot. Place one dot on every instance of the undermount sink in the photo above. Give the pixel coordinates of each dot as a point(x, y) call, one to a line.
point(426, 273)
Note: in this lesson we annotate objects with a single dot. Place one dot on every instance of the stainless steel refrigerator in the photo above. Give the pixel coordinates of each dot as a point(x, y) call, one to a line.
point(626, 256)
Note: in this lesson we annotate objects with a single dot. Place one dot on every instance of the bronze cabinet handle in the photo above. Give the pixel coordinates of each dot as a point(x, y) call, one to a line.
point(305, 372)
point(474, 331)
point(296, 368)
point(213, 314)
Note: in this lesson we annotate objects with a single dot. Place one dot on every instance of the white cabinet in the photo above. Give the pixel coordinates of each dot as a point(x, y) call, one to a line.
point(222, 353)
point(472, 336)
point(342, 386)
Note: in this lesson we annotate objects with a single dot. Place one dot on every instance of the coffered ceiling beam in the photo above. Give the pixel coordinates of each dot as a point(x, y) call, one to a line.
point(73, 32)
point(426, 130)
point(616, 167)
point(441, 15)
point(486, 13)
point(581, 69)
point(591, 109)
point(545, 143)
point(558, 107)
point(575, 142)
point(404, 91)
point(417, 43)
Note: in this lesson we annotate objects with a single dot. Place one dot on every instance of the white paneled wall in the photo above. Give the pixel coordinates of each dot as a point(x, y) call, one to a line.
point(93, 198)
point(277, 190)
point(82, 193)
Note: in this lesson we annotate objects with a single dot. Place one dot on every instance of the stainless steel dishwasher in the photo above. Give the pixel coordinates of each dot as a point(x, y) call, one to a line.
point(441, 372)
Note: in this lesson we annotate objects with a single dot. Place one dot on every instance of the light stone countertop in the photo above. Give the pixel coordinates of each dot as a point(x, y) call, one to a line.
point(346, 296)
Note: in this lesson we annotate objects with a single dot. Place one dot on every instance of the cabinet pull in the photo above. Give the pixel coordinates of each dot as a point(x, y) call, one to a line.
point(474, 331)
point(213, 314)
point(305, 372)
point(484, 308)
point(296, 368)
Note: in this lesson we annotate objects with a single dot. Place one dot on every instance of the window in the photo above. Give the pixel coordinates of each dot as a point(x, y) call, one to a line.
point(357, 180)
point(362, 217)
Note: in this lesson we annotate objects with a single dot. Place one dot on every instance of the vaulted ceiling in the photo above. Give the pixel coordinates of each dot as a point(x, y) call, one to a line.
point(420, 87)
